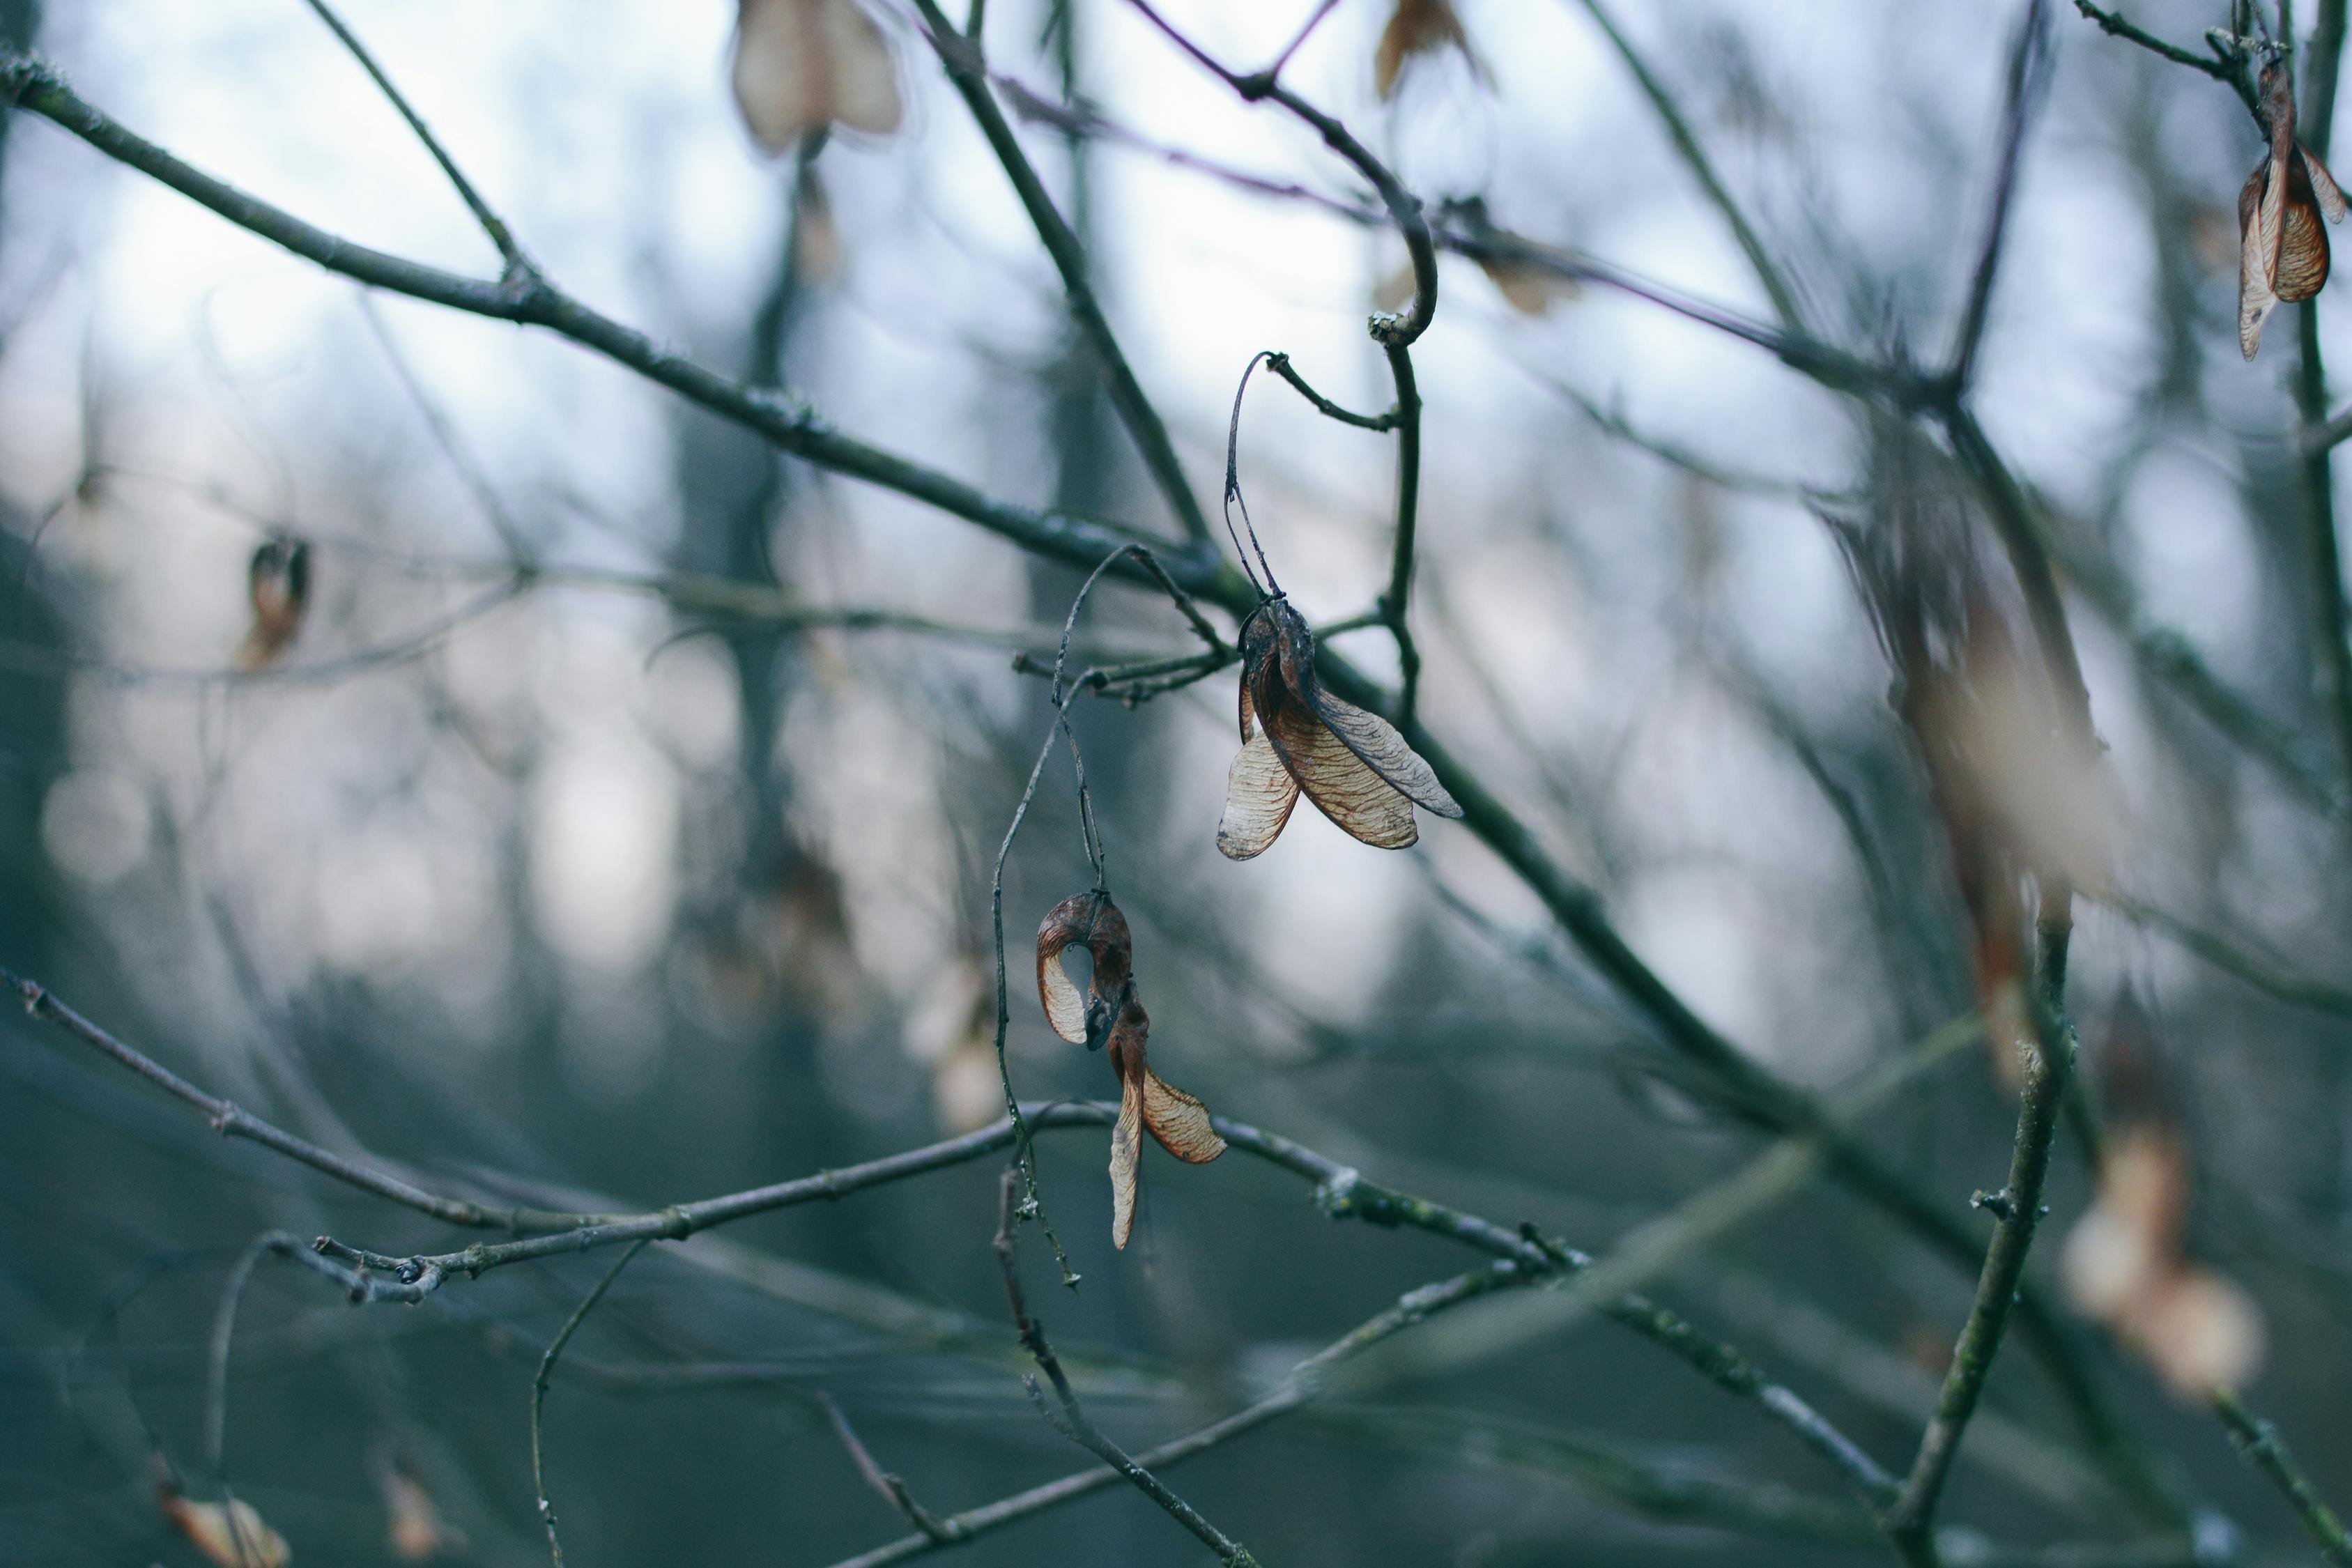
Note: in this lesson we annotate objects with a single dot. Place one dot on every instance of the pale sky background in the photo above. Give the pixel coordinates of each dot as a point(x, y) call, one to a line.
point(603, 132)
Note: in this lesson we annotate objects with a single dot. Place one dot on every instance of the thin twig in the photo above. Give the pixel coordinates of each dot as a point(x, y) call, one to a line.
point(492, 224)
point(1397, 599)
point(2168, 656)
point(1071, 1418)
point(486, 494)
point(1910, 1523)
point(2259, 1442)
point(2114, 24)
point(1678, 128)
point(232, 1121)
point(2234, 959)
point(1404, 208)
point(1280, 364)
point(892, 1487)
point(965, 67)
point(1305, 1384)
point(782, 420)
point(30, 659)
point(2025, 60)
point(538, 1394)
point(2324, 563)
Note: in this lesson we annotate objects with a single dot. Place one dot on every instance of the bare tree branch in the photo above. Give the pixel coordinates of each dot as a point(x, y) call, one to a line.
point(538, 1394)
point(1678, 128)
point(492, 224)
point(960, 57)
point(2258, 1441)
point(1068, 1415)
point(2027, 54)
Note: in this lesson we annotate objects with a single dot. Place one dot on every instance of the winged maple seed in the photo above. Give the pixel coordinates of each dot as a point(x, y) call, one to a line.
point(1419, 27)
point(279, 582)
point(1297, 736)
point(2124, 1265)
point(804, 65)
point(2281, 247)
point(1109, 1013)
point(234, 1536)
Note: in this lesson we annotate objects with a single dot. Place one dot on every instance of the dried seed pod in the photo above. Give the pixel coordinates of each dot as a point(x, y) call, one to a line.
point(2281, 245)
point(232, 1535)
point(2126, 1262)
point(1415, 28)
point(1528, 289)
point(1297, 736)
point(278, 582)
point(413, 1528)
point(1110, 1013)
point(804, 65)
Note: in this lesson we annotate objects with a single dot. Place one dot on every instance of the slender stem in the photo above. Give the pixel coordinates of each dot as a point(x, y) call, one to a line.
point(2234, 959)
point(1910, 1521)
point(492, 224)
point(1280, 364)
point(784, 421)
point(232, 1121)
point(1678, 128)
point(1298, 40)
point(538, 1394)
point(892, 1487)
point(2032, 46)
point(1404, 208)
point(2258, 1441)
point(1071, 1418)
point(968, 71)
point(436, 425)
point(1398, 599)
point(2114, 24)
point(2322, 558)
point(1301, 1387)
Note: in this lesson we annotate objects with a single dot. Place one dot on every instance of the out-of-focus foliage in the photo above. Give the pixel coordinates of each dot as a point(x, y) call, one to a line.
point(598, 895)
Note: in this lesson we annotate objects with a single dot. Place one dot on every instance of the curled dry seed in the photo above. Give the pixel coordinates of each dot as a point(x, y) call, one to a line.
point(1418, 27)
point(414, 1529)
point(804, 65)
point(234, 1536)
point(2281, 246)
point(277, 580)
point(1297, 736)
point(1109, 1013)
point(2125, 1264)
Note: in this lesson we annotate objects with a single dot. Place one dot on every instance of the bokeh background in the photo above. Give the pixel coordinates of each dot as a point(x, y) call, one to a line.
point(585, 895)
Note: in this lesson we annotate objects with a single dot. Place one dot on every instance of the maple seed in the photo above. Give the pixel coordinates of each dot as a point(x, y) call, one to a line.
point(804, 65)
point(234, 1536)
point(1419, 27)
point(277, 580)
point(2281, 246)
point(1110, 1013)
point(1352, 764)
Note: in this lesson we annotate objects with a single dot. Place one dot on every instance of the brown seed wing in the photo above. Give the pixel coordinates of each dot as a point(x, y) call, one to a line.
point(1417, 27)
point(1126, 1145)
point(2256, 299)
point(1179, 1122)
point(2323, 187)
point(1375, 741)
point(2302, 266)
point(1259, 797)
point(1065, 1010)
point(864, 81)
point(1364, 805)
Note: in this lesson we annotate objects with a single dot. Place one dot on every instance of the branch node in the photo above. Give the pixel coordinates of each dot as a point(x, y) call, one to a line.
point(1999, 1205)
